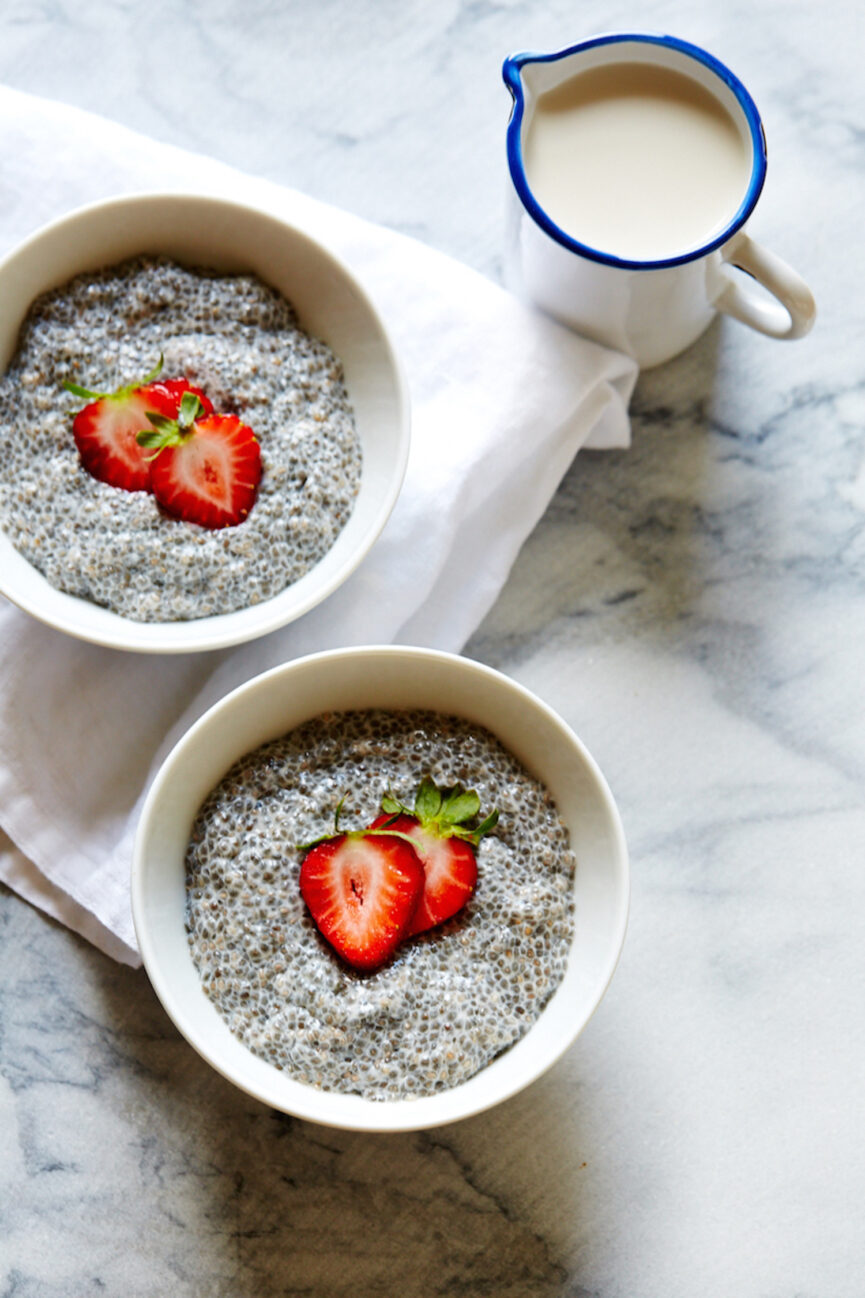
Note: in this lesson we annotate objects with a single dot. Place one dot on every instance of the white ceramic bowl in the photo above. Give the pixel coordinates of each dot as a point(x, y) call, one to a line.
point(331, 305)
point(390, 677)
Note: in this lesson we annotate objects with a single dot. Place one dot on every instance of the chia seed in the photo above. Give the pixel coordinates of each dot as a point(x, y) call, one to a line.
point(449, 1000)
point(240, 341)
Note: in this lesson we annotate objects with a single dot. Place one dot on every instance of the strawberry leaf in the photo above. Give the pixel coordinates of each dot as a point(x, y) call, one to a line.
point(428, 800)
point(149, 437)
point(486, 825)
point(459, 806)
point(84, 393)
point(160, 422)
point(484, 828)
point(325, 838)
point(338, 832)
point(129, 388)
point(189, 408)
point(171, 432)
point(391, 806)
point(446, 813)
point(154, 373)
point(315, 842)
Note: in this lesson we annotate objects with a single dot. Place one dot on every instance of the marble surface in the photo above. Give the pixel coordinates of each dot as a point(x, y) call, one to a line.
point(694, 607)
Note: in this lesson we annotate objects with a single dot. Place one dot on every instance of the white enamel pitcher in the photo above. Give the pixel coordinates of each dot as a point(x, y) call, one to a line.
point(652, 310)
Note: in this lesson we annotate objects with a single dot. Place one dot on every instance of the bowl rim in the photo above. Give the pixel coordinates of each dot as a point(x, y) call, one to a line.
point(314, 1105)
point(92, 623)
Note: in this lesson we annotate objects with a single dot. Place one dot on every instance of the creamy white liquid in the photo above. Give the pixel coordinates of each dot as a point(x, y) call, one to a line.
point(636, 161)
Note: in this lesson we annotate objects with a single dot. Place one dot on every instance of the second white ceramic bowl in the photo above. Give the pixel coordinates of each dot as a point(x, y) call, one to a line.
point(331, 305)
point(383, 677)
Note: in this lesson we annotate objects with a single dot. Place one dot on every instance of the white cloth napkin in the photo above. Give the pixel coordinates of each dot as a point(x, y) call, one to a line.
point(502, 401)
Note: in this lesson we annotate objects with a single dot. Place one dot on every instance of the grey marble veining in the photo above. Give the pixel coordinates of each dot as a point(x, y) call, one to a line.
point(694, 607)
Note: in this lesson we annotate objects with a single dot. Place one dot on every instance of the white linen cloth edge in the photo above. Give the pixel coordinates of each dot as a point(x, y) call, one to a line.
point(514, 396)
point(22, 876)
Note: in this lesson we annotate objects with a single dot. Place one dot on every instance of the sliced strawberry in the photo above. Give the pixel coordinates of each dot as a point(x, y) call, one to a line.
point(204, 471)
point(450, 871)
point(362, 890)
point(440, 827)
point(105, 430)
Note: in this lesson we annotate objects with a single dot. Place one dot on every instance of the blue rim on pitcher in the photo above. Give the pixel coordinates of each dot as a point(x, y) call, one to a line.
point(511, 73)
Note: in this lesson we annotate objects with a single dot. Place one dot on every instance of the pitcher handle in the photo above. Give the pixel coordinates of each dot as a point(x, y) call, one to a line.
point(794, 311)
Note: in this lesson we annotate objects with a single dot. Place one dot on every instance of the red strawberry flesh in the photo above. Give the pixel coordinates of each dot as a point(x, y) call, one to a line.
point(211, 476)
point(105, 431)
point(177, 387)
point(450, 871)
point(362, 891)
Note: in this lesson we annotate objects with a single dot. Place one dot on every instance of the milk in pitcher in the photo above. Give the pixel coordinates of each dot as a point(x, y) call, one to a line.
point(637, 161)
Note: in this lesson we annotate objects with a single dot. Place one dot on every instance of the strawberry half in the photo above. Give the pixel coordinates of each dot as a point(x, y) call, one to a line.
point(362, 890)
point(204, 470)
point(105, 429)
point(441, 831)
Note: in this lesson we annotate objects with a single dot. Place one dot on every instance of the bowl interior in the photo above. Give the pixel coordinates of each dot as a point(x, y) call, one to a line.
point(392, 678)
point(224, 236)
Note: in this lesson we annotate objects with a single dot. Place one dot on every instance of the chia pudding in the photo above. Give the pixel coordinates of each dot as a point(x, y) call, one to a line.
point(450, 1000)
point(240, 341)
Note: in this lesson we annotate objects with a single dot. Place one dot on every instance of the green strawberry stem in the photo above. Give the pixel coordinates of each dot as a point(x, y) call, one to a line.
point(170, 432)
point(87, 395)
point(446, 813)
point(355, 833)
